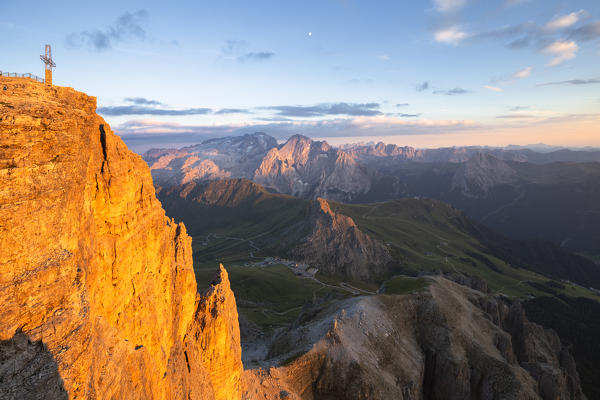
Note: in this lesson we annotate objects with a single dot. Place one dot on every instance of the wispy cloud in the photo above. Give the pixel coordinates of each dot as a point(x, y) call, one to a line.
point(232, 111)
point(233, 47)
point(127, 26)
point(452, 35)
point(402, 105)
point(564, 21)
point(360, 81)
point(586, 32)
point(543, 38)
point(383, 57)
point(524, 73)
point(452, 92)
point(514, 2)
point(238, 49)
point(319, 110)
point(572, 82)
point(445, 6)
point(403, 115)
point(113, 111)
point(142, 101)
point(528, 113)
point(493, 88)
point(516, 116)
point(561, 50)
point(256, 56)
point(357, 126)
point(421, 87)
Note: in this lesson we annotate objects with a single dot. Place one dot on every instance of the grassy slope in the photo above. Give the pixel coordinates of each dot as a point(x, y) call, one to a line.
point(270, 296)
point(557, 201)
point(427, 235)
point(249, 223)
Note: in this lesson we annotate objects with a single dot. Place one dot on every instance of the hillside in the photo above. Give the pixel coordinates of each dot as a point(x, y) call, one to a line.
point(556, 202)
point(239, 220)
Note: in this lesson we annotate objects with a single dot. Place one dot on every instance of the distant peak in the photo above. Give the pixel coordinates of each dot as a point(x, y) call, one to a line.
point(299, 138)
point(324, 206)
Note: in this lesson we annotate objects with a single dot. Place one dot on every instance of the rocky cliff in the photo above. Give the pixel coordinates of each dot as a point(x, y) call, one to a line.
point(230, 157)
point(309, 169)
point(97, 287)
point(447, 342)
point(300, 167)
point(480, 173)
point(336, 245)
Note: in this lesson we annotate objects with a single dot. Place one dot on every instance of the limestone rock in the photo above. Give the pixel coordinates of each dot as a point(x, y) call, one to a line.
point(235, 157)
point(93, 275)
point(448, 342)
point(338, 247)
point(311, 169)
point(480, 173)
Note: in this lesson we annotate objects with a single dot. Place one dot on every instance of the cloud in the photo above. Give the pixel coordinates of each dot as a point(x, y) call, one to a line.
point(233, 47)
point(142, 101)
point(493, 88)
point(358, 126)
point(445, 6)
point(127, 26)
point(237, 49)
point(528, 113)
point(514, 2)
point(402, 115)
point(451, 35)
point(256, 56)
point(586, 32)
point(572, 82)
point(383, 57)
point(519, 43)
point(516, 116)
point(232, 111)
point(355, 81)
point(452, 92)
point(115, 111)
point(402, 105)
point(561, 50)
point(524, 73)
point(351, 109)
point(564, 21)
point(421, 87)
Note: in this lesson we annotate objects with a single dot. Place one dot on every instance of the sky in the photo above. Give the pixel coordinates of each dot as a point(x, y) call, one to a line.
point(432, 73)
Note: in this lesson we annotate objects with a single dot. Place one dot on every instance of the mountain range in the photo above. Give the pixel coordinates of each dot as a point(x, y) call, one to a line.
point(520, 193)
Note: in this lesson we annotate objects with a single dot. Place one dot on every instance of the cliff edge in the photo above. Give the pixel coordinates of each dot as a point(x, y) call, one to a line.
point(97, 287)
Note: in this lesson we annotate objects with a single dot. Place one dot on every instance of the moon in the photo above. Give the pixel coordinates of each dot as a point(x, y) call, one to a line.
point(309, 33)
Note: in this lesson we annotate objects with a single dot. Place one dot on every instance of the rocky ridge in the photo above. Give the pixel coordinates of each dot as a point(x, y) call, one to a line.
point(236, 157)
point(338, 247)
point(300, 167)
point(96, 283)
point(448, 342)
point(480, 173)
point(310, 169)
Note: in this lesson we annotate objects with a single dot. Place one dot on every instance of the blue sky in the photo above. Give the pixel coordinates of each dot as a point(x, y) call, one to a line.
point(428, 74)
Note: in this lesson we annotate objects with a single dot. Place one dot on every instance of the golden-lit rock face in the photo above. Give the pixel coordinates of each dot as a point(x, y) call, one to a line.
point(92, 268)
